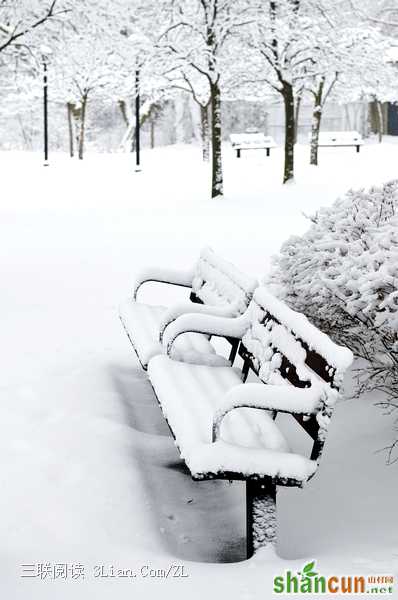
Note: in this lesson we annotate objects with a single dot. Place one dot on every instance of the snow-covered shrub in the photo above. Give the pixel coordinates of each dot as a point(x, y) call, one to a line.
point(343, 274)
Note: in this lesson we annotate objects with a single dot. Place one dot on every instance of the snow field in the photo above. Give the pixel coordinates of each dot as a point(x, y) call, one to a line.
point(89, 470)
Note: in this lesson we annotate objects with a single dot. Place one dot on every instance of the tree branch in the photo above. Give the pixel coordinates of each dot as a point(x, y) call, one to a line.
point(50, 14)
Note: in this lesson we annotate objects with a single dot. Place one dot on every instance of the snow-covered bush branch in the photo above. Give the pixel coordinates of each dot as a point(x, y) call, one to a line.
point(343, 274)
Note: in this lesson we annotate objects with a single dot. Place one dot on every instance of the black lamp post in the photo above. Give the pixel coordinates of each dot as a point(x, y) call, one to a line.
point(137, 121)
point(45, 54)
point(45, 106)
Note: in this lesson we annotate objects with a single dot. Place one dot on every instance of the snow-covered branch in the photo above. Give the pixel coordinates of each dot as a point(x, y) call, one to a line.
point(24, 26)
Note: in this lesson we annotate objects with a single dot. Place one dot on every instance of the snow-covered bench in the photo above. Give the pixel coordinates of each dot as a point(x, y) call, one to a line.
point(340, 138)
point(251, 141)
point(216, 287)
point(226, 429)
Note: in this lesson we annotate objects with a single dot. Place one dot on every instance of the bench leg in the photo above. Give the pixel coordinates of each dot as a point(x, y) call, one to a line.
point(268, 151)
point(358, 148)
point(245, 371)
point(238, 153)
point(234, 350)
point(260, 514)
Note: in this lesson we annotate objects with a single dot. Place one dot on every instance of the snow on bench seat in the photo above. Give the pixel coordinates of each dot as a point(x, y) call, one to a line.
point(145, 320)
point(250, 441)
point(223, 457)
point(251, 141)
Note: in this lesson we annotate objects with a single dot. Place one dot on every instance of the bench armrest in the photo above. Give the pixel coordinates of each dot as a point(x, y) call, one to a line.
point(234, 327)
point(163, 275)
point(280, 398)
point(183, 308)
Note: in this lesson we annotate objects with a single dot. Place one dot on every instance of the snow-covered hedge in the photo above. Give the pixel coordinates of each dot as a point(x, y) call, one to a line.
point(343, 274)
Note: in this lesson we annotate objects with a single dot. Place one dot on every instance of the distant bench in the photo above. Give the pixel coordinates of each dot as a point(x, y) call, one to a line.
point(252, 141)
point(340, 138)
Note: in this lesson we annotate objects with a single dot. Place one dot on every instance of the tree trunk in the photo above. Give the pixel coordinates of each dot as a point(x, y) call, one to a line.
point(70, 130)
point(82, 126)
point(75, 124)
point(152, 132)
point(364, 125)
point(205, 132)
point(380, 120)
point(296, 117)
point(216, 141)
point(77, 118)
point(179, 126)
point(123, 109)
point(195, 117)
point(290, 129)
point(316, 122)
point(129, 135)
point(347, 118)
point(25, 137)
point(315, 128)
point(148, 112)
point(133, 138)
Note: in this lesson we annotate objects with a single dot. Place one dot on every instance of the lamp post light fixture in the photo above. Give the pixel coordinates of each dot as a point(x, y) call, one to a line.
point(45, 53)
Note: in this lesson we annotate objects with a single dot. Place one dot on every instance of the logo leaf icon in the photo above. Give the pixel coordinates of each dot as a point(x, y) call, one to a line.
point(308, 570)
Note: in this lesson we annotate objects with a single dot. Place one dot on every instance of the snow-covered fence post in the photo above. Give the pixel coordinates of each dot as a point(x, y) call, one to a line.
point(261, 520)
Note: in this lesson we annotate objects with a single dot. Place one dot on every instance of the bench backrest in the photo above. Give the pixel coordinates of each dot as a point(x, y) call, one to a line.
point(218, 282)
point(283, 347)
point(251, 139)
point(340, 137)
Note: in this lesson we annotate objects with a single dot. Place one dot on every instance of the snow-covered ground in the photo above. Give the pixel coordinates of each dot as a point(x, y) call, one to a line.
point(89, 471)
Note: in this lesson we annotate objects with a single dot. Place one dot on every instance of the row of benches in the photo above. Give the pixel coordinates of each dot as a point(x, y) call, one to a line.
point(260, 141)
point(224, 424)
